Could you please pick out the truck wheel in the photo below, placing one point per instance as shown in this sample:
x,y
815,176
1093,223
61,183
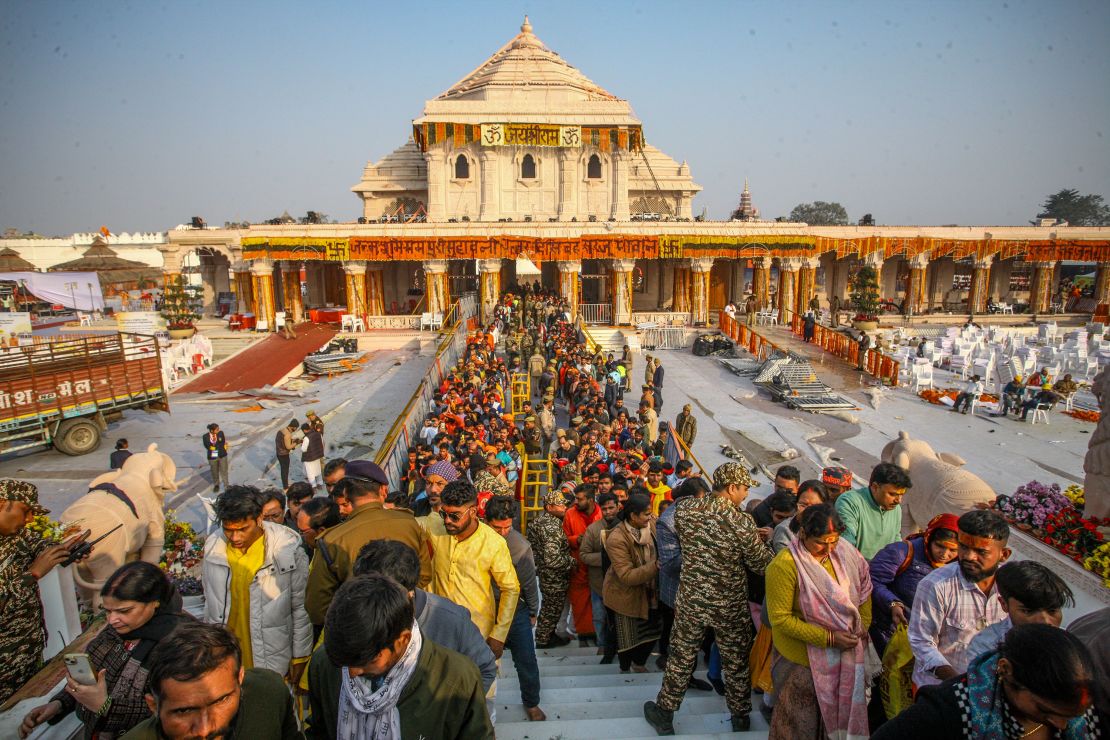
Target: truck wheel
x,y
77,437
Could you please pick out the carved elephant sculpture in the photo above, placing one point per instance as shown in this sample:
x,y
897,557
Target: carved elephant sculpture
x,y
940,484
131,496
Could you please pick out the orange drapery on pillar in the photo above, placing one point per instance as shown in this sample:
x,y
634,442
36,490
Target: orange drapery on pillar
x,y
375,291
761,281
489,288
915,286
980,286
262,271
1040,295
437,288
680,300
354,274
807,282
568,284
244,290
700,268
788,279
291,292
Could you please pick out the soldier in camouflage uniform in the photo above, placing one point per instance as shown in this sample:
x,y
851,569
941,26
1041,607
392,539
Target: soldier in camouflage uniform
x,y
553,566
489,480
24,559
718,541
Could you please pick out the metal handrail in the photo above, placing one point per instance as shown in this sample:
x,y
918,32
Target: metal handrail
x,y
686,450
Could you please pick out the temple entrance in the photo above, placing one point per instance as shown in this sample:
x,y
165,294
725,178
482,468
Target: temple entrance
x,y
209,269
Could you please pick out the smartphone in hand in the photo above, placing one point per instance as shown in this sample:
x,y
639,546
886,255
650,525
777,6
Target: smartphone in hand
x,y
80,668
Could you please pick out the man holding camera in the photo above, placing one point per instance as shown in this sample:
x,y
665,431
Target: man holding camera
x,y
24,559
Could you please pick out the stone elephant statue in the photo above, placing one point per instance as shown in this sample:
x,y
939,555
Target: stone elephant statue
x,y
132,496
940,484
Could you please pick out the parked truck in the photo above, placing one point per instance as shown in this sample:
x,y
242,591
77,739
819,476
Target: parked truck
x,y
64,390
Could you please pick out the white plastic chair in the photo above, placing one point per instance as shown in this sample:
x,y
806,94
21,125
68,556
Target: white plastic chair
x,y
85,319
427,321
1040,411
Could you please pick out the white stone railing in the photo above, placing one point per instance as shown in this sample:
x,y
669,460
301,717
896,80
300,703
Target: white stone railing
x,y
398,321
661,318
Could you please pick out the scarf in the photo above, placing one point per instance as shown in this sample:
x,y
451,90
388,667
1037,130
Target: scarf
x,y
365,714
166,618
987,714
839,677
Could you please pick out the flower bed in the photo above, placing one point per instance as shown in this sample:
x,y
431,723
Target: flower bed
x,y
1052,516
933,396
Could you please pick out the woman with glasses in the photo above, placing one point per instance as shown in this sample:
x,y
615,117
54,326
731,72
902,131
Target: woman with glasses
x,y
631,588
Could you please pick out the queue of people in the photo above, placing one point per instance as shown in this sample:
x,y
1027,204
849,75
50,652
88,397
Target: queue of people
x,y
388,605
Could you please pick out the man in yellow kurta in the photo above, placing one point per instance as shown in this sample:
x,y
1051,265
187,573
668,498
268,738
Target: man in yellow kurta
x,y
469,561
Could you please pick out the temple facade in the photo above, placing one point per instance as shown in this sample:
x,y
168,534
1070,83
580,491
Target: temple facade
x,y
527,168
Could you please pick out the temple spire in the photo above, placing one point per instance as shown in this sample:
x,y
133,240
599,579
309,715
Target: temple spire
x,y
526,27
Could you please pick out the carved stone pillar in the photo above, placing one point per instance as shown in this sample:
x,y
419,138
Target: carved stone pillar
x,y
355,276
262,273
788,281
489,287
807,284
620,279
437,183
1102,283
375,290
680,300
980,286
489,209
291,292
1040,295
437,288
568,284
568,181
700,268
620,185
915,286
761,280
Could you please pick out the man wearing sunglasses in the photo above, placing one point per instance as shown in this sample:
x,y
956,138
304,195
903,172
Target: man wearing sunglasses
x,y
366,485
468,560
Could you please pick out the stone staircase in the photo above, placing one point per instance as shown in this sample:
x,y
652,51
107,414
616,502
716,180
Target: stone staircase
x,y
612,339
584,699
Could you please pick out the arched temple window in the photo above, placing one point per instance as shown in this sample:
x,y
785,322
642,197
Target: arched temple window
x,y
593,167
528,168
462,168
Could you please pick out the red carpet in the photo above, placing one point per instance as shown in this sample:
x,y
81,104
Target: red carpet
x,y
264,362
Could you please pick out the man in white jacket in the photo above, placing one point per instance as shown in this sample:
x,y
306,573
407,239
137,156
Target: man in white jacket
x,y
254,577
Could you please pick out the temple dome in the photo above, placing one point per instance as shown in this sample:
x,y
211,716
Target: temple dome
x,y
526,82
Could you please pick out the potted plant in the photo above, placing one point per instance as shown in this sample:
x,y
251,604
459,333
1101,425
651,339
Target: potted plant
x,y
865,298
180,304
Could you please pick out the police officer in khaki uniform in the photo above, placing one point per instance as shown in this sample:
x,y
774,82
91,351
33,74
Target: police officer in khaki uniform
x,y
337,549
533,439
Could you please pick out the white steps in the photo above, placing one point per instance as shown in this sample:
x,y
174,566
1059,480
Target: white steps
x,y
584,700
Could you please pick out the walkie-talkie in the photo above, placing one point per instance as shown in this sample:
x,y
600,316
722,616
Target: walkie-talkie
x,y
84,548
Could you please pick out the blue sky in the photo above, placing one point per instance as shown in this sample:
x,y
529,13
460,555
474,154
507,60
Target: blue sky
x,y
139,115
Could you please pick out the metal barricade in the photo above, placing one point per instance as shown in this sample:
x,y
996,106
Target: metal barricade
x,y
665,337
596,313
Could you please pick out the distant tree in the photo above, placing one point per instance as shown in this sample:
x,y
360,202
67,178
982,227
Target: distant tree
x,y
820,213
1078,210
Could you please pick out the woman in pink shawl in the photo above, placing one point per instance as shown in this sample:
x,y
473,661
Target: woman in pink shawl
x,y
819,606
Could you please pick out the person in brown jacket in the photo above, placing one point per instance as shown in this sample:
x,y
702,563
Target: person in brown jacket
x,y
590,547
630,588
337,549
